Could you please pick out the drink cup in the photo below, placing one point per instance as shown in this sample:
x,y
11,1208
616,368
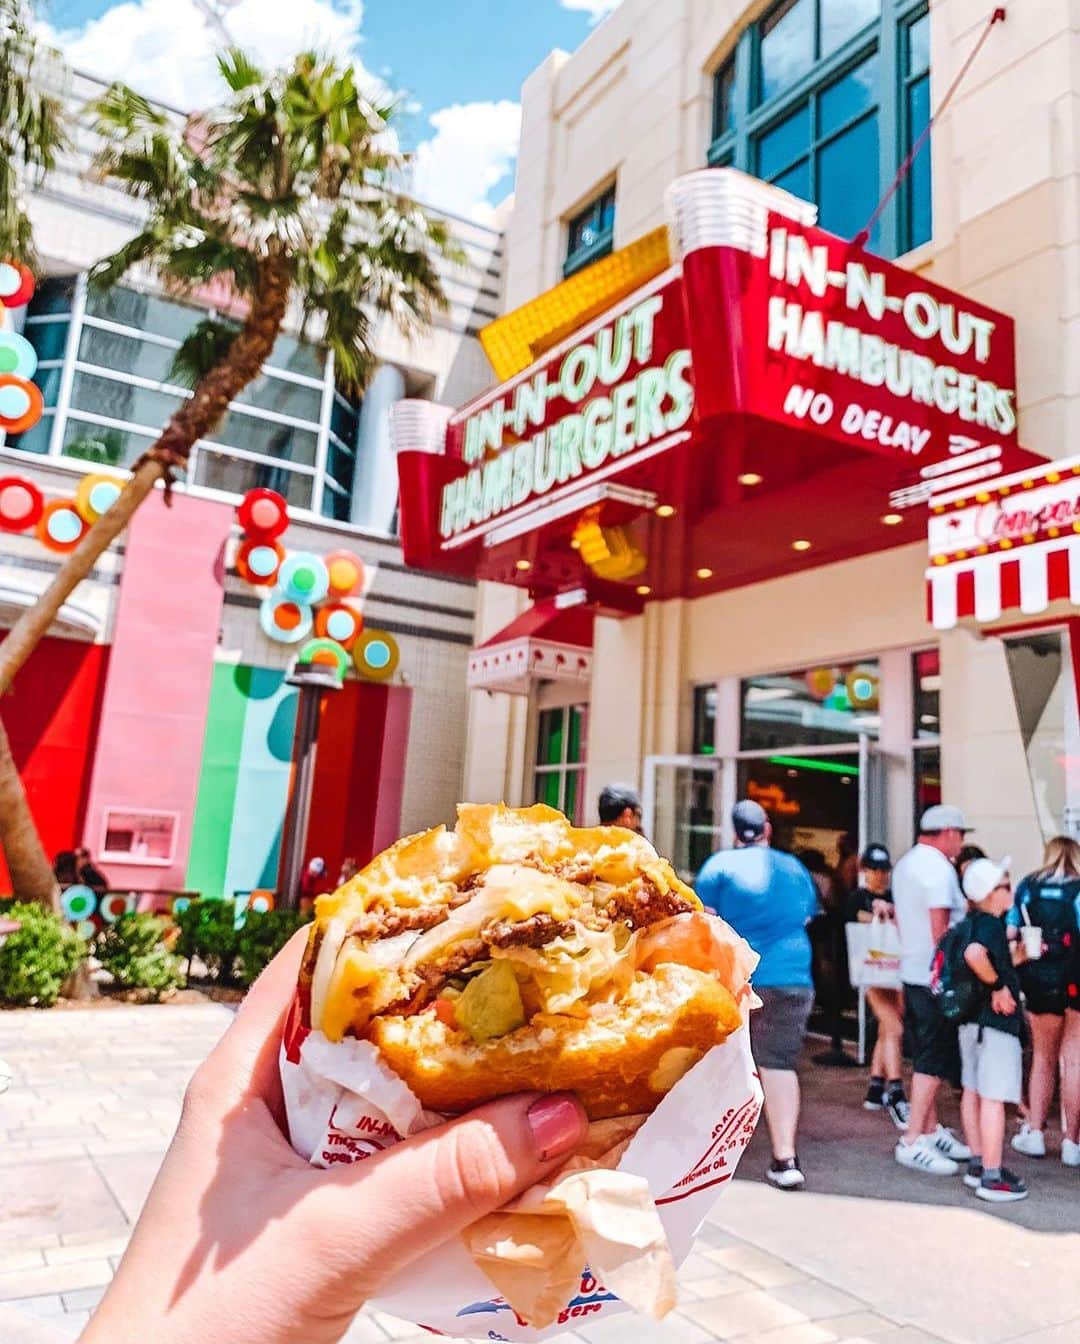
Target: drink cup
x,y
1033,940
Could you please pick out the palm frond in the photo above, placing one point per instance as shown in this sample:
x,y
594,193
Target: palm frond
x,y
205,346
238,70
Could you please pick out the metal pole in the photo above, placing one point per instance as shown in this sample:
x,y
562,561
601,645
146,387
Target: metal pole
x,y
313,680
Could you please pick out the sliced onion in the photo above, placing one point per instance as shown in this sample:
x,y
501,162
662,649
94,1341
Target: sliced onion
x,y
332,939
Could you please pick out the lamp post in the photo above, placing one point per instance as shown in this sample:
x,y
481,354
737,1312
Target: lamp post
x,y
314,680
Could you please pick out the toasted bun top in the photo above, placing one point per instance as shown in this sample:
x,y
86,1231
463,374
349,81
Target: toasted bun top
x,y
429,868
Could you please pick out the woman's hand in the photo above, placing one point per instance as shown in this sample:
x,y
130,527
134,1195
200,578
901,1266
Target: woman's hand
x,y
1002,1001
242,1239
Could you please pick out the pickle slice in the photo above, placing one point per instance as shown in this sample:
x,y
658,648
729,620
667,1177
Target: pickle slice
x,y
490,1005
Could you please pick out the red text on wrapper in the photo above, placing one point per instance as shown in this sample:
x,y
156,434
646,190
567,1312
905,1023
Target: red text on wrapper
x,y
717,1163
368,1136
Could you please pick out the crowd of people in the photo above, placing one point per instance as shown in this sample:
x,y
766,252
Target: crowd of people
x,y
984,972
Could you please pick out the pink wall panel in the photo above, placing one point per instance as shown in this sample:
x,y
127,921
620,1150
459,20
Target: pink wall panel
x,y
395,744
157,690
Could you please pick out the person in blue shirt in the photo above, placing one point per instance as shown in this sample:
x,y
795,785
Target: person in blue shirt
x,y
769,897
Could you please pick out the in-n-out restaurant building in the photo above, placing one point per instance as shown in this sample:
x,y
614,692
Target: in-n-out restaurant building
x,y
747,500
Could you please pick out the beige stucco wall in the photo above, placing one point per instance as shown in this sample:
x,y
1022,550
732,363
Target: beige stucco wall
x,y
633,105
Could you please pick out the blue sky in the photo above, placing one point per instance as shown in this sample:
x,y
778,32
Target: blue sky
x,y
461,63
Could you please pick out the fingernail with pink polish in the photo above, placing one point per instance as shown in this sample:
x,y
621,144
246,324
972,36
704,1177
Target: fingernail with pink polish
x,y
557,1123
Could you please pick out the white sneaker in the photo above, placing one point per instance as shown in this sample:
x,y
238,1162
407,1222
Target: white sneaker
x,y
1032,1143
1070,1153
944,1141
922,1155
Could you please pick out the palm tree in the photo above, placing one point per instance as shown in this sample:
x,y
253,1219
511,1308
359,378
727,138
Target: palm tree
x,y
31,125
288,192
31,137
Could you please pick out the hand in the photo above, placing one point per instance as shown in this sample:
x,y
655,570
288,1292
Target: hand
x,y
883,909
1002,1001
239,1229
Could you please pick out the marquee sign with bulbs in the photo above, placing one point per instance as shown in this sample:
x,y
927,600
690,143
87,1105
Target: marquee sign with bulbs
x,y
776,398
310,600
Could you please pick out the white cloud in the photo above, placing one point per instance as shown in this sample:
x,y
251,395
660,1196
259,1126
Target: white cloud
x,y
166,48
596,9
473,148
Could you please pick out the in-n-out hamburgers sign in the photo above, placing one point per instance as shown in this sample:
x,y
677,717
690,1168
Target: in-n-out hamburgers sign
x,y
622,389
767,324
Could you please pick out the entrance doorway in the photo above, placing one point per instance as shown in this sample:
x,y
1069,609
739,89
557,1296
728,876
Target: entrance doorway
x,y
814,796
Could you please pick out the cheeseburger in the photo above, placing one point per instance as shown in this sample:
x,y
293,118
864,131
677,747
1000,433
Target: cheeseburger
x,y
517,952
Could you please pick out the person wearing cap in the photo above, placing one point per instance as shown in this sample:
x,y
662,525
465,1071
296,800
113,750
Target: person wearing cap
x,y
990,1053
769,898
619,805
928,902
872,899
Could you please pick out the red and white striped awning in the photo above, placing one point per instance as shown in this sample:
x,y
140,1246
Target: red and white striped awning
x,y
550,641
1010,546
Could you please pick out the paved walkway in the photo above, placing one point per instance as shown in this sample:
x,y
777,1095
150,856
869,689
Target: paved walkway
x,y
868,1252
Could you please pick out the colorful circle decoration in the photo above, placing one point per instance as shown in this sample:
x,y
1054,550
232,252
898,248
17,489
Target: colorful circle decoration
x,y
17,355
96,494
21,404
376,655
115,904
21,503
258,561
61,527
346,573
820,682
86,928
261,901
179,905
78,902
303,577
16,284
862,689
340,622
283,620
325,653
263,514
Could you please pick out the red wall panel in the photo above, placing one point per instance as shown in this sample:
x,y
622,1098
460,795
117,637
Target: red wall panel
x,y
52,715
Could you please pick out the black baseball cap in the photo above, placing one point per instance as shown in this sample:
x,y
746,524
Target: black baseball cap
x,y
749,819
876,858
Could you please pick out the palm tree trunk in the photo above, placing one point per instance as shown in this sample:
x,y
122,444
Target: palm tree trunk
x,y
196,418
31,873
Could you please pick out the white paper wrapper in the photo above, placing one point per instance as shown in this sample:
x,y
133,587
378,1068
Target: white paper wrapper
x,y
343,1105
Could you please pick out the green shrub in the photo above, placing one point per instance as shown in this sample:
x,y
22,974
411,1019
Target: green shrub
x,y
263,936
35,961
207,931
133,951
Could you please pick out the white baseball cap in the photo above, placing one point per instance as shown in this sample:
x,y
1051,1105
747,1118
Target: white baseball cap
x,y
942,817
982,876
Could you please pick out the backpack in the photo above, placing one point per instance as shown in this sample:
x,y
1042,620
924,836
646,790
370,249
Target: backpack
x,y
960,996
1054,914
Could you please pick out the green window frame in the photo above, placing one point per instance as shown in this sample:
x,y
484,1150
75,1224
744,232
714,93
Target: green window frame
x,y
590,234
826,98
559,772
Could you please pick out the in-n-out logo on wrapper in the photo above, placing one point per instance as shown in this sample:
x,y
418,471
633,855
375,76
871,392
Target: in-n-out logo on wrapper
x,y
587,1303
367,1137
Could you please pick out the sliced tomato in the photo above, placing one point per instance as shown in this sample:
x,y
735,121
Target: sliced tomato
x,y
444,1011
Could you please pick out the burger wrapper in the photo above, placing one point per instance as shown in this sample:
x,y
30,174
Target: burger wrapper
x,y
604,1235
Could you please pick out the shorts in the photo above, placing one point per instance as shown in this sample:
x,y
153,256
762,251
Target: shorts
x,y
778,1027
991,1062
934,1049
1046,987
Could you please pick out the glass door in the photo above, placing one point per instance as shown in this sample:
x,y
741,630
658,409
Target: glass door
x,y
682,809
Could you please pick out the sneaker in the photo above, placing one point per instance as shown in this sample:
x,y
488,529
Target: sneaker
x,y
923,1156
1070,1153
1003,1189
945,1142
786,1174
1031,1142
899,1109
875,1097
974,1174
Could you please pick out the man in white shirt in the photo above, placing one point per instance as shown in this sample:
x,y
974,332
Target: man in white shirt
x,y
928,901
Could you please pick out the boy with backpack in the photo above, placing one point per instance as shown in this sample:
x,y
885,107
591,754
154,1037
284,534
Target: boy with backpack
x,y
978,988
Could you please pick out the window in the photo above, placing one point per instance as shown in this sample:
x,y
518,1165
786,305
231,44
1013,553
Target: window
x,y
590,234
1044,693
122,391
824,98
560,759
926,722
814,706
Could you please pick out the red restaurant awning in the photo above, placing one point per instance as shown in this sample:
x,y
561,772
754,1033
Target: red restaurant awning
x,y
548,642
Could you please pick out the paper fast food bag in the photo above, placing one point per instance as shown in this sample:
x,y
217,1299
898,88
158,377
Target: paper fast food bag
x,y
602,1238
